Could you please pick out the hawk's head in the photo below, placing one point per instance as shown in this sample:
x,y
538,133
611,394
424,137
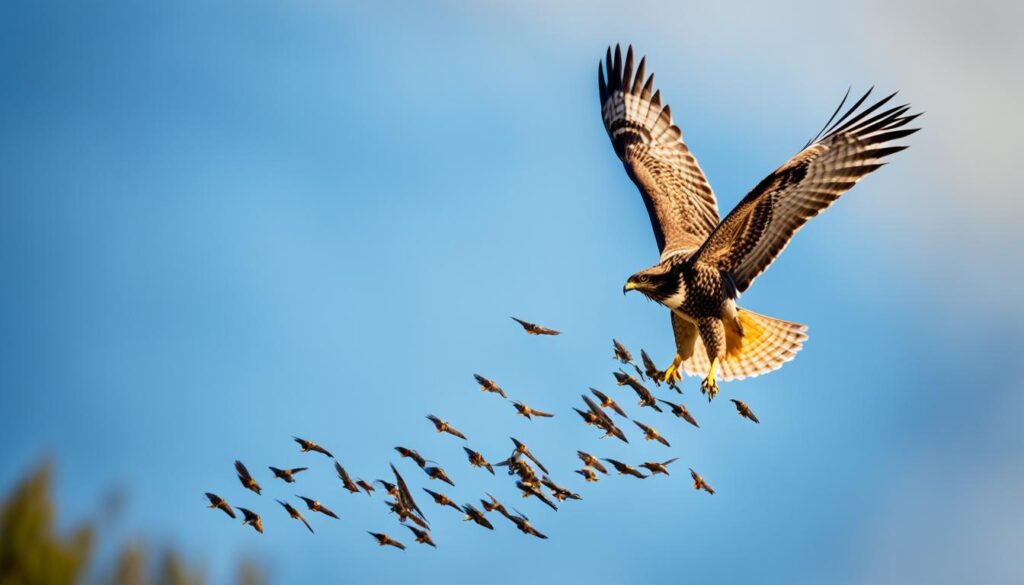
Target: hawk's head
x,y
658,283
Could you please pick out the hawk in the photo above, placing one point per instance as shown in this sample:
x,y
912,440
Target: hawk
x,y
706,262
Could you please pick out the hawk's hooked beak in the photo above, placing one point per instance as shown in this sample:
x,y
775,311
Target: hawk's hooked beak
x,y
630,285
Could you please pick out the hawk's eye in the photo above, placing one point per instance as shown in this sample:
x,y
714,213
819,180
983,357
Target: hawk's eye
x,y
643,278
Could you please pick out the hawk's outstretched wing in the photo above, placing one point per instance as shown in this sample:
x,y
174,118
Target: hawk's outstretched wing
x,y
754,233
678,198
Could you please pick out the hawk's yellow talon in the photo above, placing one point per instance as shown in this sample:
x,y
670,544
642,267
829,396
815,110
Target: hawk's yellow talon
x,y
709,386
672,373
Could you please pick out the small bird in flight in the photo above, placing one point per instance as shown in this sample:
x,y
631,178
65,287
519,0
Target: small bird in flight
x,y
651,434
311,446
476,516
405,496
560,493
412,454
477,460
385,540
603,421
389,488
493,505
621,353
315,506
435,472
366,486
532,490
524,410
422,536
624,469
646,398
252,519
288,475
294,513
744,410
534,329
650,369
220,504
487,385
442,500
522,449
680,411
699,483
607,402
444,427
591,461
588,474
246,479
523,524
655,468
345,479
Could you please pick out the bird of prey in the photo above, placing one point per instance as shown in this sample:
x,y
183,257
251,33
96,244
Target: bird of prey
x,y
389,488
651,434
560,493
706,263
744,410
412,454
476,516
493,505
532,490
646,398
385,540
534,329
699,483
444,427
602,420
345,479
591,461
680,411
524,410
655,468
252,519
366,486
422,536
487,385
442,500
523,524
405,496
294,513
220,504
246,479
588,474
435,472
607,402
624,469
311,446
288,475
522,449
315,506
621,353
477,460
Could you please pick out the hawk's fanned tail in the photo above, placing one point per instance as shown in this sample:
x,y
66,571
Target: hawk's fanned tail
x,y
765,345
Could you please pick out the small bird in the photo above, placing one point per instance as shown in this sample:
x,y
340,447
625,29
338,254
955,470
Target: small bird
x,y
442,500
422,536
311,446
389,488
651,434
247,481
412,454
252,519
366,487
646,398
744,410
604,422
607,402
522,449
487,385
650,369
315,506
524,410
295,513
588,417
655,468
621,353
493,506
523,524
345,479
624,469
680,411
560,493
435,472
699,483
404,513
288,475
588,474
534,329
444,427
591,461
476,516
477,460
220,504
405,496
532,490
385,540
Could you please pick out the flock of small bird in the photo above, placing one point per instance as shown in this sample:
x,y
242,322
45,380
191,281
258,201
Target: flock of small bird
x,y
521,462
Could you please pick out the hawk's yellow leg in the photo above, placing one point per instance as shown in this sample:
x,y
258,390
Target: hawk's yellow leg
x,y
672,373
709,386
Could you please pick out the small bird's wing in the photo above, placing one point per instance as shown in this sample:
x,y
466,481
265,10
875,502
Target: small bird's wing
x,y
243,472
405,495
663,441
670,461
754,233
679,201
454,431
542,413
297,469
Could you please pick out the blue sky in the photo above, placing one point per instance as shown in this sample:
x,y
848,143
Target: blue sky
x,y
225,223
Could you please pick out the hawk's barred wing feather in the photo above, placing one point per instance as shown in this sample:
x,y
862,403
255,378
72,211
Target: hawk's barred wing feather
x,y
750,238
678,198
